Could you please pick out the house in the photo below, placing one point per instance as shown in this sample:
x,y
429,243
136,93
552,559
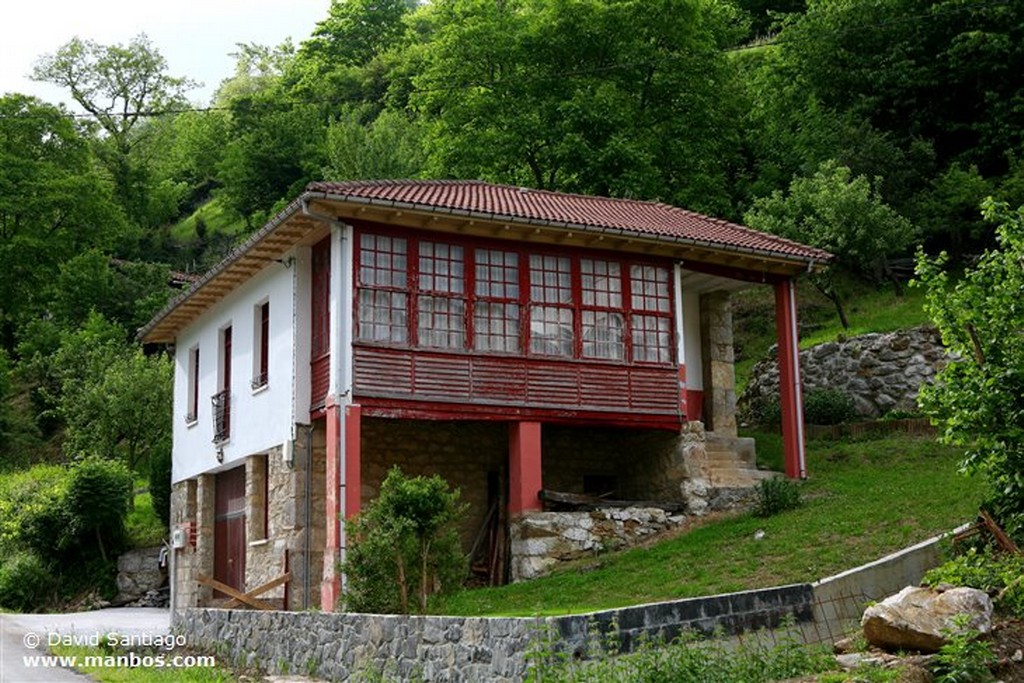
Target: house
x,y
509,339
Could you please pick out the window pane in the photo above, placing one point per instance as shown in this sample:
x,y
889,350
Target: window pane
x,y
601,283
497,274
603,335
382,261
550,279
441,268
496,327
551,331
441,322
651,339
650,288
382,316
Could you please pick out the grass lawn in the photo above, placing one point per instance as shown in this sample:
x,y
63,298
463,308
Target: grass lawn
x,y
868,309
864,499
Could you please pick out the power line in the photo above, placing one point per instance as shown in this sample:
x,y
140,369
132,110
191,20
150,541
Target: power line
x,y
773,41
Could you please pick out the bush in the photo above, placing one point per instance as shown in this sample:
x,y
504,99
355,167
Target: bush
x,y
99,494
26,583
985,571
828,407
776,495
764,410
31,509
404,546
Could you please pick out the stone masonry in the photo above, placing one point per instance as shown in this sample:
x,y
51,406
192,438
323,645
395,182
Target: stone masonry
x,y
881,372
340,647
540,540
719,373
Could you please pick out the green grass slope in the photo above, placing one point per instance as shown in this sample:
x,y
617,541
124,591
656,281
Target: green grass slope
x,y
864,500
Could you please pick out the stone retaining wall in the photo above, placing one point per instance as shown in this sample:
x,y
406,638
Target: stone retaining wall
x,y
881,372
435,648
541,540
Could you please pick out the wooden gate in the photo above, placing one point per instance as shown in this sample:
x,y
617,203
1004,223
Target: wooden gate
x,y
229,530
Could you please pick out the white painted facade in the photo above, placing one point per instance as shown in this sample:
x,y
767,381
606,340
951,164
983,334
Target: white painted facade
x,y
260,418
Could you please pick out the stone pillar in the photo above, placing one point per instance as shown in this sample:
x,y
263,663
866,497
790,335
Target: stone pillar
x,y
719,372
255,498
789,380
183,515
206,491
524,470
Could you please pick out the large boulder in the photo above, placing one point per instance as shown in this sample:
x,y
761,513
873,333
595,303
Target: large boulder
x,y
921,618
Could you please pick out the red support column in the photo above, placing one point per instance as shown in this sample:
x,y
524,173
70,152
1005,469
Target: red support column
x,y
353,460
789,380
330,588
524,465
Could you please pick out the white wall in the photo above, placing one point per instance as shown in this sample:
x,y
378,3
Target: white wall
x,y
691,332
262,418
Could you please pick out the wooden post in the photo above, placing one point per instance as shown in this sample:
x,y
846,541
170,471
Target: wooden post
x,y
330,587
790,393
524,458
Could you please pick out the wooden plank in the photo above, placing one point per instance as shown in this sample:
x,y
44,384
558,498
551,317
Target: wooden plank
x,y
238,595
260,590
1004,541
587,502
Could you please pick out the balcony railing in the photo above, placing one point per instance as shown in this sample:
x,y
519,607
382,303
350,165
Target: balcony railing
x,y
221,416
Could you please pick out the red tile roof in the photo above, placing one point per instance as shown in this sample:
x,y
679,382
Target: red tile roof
x,y
622,216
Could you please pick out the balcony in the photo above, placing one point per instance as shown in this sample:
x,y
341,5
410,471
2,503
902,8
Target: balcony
x,y
221,416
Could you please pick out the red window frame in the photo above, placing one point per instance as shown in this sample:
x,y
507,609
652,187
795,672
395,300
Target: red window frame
x,y
384,278
497,276
320,298
649,326
261,368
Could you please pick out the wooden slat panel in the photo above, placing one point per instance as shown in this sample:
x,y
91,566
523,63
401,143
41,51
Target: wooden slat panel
x,y
499,379
452,378
320,371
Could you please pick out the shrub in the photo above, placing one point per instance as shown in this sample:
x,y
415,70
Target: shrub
x,y
405,546
99,494
26,583
964,658
987,571
776,495
764,410
828,407
31,509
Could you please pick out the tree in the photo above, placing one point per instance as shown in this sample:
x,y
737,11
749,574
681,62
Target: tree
x,y
120,86
839,213
621,98
390,146
405,546
53,204
977,400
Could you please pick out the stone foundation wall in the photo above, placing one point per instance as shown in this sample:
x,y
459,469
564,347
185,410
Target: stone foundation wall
x,y
881,372
340,646
275,529
463,453
541,540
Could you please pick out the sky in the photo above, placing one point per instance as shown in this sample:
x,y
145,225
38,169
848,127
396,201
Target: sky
x,y
194,36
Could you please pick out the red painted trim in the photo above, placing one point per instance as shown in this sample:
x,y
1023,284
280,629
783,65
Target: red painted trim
x,y
789,380
416,410
353,460
330,588
694,405
524,464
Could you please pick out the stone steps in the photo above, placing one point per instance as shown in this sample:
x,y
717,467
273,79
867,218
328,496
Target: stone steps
x,y
731,462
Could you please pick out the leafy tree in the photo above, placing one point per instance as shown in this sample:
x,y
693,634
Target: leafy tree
x,y
120,86
405,546
943,70
98,497
356,31
561,95
53,204
840,213
977,400
391,146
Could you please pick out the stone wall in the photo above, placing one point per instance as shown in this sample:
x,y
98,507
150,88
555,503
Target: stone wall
x,y
276,537
138,572
881,372
541,540
338,646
